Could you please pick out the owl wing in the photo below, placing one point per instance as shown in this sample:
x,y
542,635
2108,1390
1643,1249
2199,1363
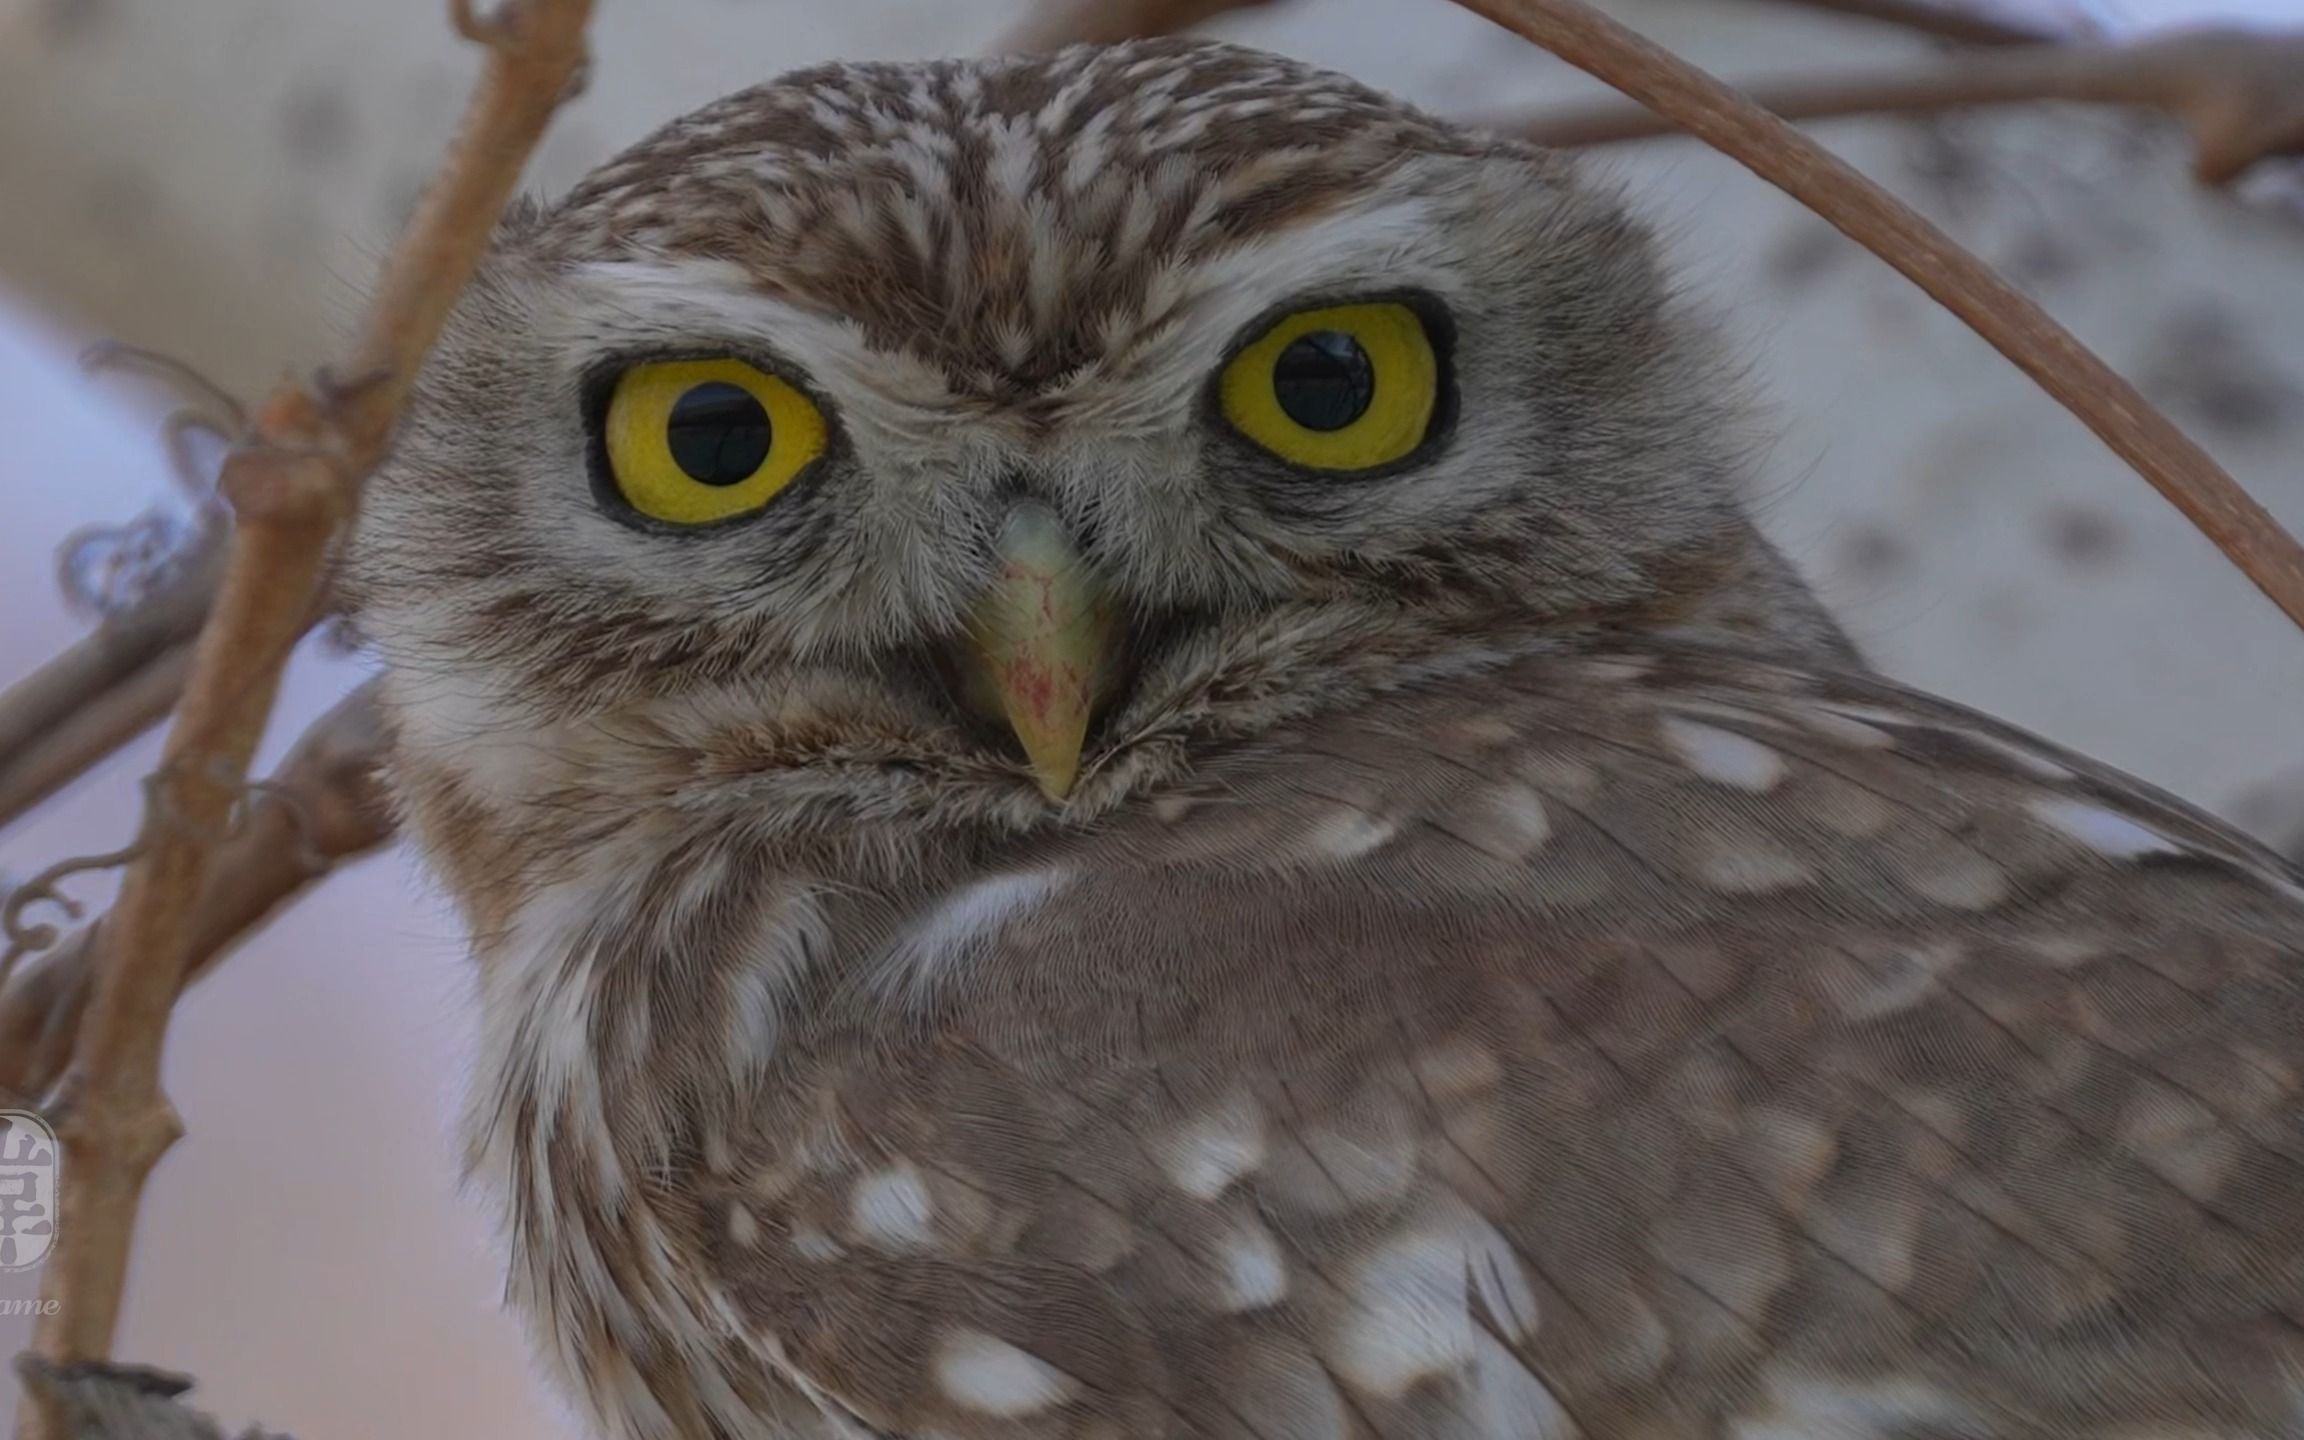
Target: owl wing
x,y
1652,1044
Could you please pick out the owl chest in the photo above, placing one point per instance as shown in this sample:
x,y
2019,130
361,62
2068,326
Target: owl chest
x,y
602,1105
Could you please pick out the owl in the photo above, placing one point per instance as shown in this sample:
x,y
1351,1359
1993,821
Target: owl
x,y
1121,764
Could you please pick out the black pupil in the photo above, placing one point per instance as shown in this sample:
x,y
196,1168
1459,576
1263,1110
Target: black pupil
x,y
718,433
1323,380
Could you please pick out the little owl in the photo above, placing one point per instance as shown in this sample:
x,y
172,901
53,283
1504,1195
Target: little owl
x,y
1122,765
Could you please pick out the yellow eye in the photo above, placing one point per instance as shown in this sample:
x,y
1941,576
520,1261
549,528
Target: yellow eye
x,y
1348,387
695,441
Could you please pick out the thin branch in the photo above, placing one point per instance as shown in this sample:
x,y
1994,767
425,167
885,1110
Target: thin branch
x,y
1967,25
2180,470
2238,94
1057,23
100,694
227,415
292,490
24,935
323,807
119,681
99,1401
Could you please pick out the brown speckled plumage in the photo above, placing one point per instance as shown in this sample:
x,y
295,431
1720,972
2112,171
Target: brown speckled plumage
x,y
1504,970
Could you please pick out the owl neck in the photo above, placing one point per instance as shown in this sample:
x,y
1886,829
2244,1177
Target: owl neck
x,y
1750,598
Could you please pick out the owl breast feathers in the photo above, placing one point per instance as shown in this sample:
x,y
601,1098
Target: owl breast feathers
x,y
1122,764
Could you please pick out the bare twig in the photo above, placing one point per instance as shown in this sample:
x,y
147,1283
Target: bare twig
x,y
112,686
1968,26
24,936
2181,471
2239,94
102,692
121,1402
322,807
229,416
1058,23
292,489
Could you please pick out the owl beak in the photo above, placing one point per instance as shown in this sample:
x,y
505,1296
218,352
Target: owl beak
x,y
1041,644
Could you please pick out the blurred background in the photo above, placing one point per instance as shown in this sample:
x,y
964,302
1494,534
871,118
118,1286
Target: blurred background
x,y
215,180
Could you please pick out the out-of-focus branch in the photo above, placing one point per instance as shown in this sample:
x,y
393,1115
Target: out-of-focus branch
x,y
105,690
110,687
1057,23
2239,94
292,488
322,807
2181,471
120,1402
1967,26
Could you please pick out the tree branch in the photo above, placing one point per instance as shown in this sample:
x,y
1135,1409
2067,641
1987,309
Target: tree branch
x,y
2238,94
2180,470
108,688
322,807
117,682
1057,23
1967,26
98,1401
292,488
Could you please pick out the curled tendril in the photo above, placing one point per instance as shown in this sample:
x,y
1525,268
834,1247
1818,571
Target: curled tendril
x,y
107,570
24,939
196,472
107,356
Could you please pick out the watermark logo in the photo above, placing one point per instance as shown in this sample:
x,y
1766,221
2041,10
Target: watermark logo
x,y
30,1161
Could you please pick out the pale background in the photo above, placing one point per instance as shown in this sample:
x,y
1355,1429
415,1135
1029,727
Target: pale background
x,y
215,180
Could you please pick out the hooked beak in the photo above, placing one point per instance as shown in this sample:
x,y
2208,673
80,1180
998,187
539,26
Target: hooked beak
x,y
1041,644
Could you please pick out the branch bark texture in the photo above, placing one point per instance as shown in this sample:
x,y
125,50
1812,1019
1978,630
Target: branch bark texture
x,y
1057,23
1966,25
323,807
2180,470
2238,94
110,687
292,490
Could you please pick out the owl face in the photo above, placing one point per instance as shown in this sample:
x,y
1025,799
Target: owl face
x,y
997,431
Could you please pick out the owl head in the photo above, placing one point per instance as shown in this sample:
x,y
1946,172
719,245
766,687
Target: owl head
x,y
981,439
